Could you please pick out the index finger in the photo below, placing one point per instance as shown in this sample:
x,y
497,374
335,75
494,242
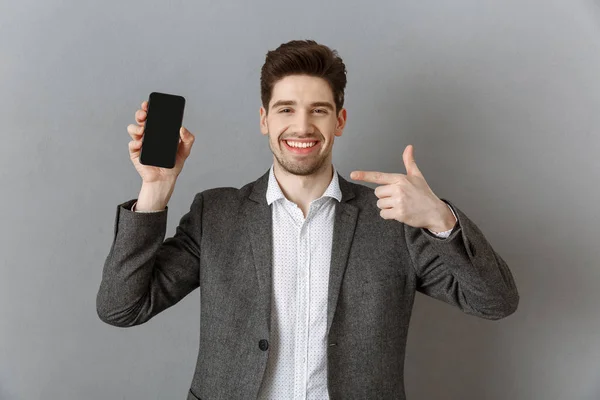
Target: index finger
x,y
382,178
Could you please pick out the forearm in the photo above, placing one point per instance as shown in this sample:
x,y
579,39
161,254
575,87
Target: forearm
x,y
145,274
128,268
464,270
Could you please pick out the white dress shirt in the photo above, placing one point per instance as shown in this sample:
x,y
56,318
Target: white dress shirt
x,y
297,363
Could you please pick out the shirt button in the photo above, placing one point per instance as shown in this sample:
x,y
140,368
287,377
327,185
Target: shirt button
x,y
263,344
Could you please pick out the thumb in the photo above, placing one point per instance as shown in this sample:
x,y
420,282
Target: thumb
x,y
186,136
187,140
409,161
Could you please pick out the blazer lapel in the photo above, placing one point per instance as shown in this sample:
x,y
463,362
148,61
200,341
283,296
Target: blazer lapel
x,y
346,216
260,230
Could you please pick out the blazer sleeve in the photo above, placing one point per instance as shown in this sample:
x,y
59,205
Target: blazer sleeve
x,y
143,273
463,269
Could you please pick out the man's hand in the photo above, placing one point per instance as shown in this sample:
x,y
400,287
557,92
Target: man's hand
x,y
408,198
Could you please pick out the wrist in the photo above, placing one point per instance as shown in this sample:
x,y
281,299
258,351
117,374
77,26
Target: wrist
x,y
445,219
154,196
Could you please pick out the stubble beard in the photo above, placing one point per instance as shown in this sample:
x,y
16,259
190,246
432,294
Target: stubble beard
x,y
299,168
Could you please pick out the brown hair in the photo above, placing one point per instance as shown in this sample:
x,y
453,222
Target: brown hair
x,y
303,57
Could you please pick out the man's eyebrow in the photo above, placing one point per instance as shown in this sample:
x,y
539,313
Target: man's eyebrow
x,y
325,104
279,103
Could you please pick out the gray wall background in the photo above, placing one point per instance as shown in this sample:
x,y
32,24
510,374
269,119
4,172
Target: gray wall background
x,y
500,98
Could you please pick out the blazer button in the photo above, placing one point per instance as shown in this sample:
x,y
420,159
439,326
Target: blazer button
x,y
263,344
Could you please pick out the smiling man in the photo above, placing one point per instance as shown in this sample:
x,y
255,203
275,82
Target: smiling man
x,y
301,122
307,279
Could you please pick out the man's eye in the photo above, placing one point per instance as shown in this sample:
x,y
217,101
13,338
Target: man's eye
x,y
321,111
285,110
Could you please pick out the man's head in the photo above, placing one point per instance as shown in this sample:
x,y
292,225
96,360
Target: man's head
x,y
302,92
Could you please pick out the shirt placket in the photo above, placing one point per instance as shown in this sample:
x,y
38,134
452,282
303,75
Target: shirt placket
x,y
302,312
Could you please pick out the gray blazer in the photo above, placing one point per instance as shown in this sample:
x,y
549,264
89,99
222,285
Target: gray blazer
x,y
224,246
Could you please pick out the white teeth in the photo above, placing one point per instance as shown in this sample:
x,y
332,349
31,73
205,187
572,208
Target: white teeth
x,y
301,145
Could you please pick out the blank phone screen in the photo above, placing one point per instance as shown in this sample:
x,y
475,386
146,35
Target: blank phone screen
x,y
161,132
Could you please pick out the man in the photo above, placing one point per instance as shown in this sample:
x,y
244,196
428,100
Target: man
x,y
307,280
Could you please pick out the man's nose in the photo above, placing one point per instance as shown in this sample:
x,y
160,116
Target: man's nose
x,y
304,124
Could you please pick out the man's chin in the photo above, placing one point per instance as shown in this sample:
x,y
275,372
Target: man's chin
x,y
301,168
302,172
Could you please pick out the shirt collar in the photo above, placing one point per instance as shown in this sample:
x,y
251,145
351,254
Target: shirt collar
x,y
274,192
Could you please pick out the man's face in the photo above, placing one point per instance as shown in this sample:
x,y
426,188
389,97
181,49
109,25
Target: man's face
x,y
302,123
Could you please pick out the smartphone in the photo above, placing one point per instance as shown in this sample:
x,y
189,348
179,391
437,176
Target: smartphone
x,y
161,132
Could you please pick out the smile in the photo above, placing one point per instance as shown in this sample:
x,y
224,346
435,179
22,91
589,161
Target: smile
x,y
301,147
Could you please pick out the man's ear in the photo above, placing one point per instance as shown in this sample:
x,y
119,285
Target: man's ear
x,y
264,127
341,122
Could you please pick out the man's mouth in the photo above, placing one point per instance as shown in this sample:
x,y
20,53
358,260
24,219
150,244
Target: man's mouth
x,y
301,146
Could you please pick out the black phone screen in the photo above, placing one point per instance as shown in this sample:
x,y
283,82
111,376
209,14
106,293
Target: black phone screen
x,y
161,132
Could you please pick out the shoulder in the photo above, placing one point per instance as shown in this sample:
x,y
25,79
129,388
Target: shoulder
x,y
221,197
224,198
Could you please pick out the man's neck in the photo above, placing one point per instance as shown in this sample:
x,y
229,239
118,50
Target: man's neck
x,y
303,189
